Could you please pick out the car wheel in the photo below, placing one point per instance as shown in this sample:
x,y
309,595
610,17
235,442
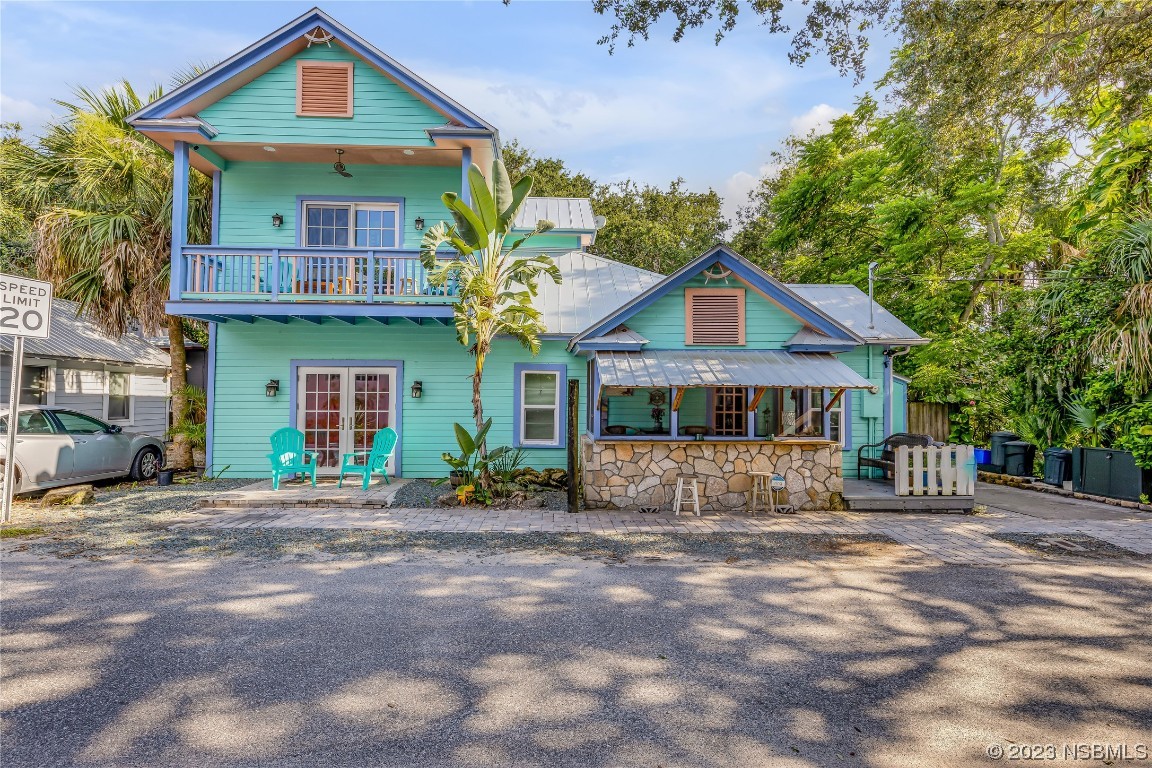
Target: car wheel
x,y
146,465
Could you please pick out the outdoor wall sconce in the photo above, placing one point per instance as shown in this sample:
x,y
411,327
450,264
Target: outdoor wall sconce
x,y
272,387
417,389
419,223
277,220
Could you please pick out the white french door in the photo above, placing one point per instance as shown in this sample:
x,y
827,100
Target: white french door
x,y
340,409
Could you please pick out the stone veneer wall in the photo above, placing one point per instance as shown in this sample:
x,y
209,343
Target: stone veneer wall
x,y
622,474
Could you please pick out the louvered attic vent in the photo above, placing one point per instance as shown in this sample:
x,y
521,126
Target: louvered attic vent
x,y
324,88
715,316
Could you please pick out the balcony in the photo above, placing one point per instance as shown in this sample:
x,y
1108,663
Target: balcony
x,y
223,273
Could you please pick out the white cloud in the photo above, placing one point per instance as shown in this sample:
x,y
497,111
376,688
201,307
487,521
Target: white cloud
x,y
705,102
819,119
29,115
739,185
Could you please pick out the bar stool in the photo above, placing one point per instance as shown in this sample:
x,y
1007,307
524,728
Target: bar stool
x,y
687,491
761,491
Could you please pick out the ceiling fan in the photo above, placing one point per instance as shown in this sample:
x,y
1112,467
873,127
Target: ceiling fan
x,y
339,167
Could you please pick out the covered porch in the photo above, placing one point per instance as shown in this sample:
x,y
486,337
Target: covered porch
x,y
723,416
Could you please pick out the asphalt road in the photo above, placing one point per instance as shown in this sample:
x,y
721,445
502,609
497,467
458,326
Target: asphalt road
x,y
447,660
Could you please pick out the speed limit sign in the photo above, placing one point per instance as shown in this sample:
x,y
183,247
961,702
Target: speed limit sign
x,y
25,307
25,312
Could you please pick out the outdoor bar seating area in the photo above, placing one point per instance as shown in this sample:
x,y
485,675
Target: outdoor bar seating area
x,y
661,415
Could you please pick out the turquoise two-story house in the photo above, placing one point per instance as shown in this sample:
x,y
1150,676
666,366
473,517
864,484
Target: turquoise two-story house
x,y
328,159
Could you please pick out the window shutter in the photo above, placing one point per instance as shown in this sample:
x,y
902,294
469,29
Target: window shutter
x,y
715,316
324,88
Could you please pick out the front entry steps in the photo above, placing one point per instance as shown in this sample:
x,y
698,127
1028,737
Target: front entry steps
x,y
294,494
880,496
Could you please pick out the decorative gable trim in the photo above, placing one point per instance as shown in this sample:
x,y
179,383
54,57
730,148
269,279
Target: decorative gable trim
x,y
744,270
324,88
714,317
233,69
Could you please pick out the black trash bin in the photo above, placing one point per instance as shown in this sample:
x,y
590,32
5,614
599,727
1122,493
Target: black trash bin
x,y
1057,466
1019,458
997,441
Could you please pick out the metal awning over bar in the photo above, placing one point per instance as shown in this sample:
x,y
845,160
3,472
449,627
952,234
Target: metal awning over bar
x,y
737,368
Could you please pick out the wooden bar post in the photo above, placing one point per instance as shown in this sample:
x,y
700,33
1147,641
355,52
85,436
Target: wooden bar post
x,y
573,444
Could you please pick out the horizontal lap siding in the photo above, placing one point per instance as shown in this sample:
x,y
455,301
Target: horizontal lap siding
x,y
150,404
864,430
766,326
247,356
264,111
251,192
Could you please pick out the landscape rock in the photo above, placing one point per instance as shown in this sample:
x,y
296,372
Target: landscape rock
x,y
69,496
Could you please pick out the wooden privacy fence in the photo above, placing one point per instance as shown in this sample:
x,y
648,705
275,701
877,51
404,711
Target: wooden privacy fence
x,y
949,470
930,419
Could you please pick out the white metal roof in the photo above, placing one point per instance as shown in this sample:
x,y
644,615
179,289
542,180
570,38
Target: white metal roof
x,y
593,288
80,339
567,213
727,368
848,305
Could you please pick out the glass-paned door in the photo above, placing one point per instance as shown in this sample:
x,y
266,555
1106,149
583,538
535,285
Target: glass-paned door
x,y
340,410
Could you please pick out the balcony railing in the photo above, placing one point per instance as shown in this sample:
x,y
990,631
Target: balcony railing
x,y
231,273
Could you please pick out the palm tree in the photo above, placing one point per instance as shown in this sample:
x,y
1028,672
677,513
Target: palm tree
x,y
495,284
1127,339
101,194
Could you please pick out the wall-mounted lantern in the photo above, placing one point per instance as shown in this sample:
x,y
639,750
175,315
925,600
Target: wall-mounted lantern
x,y
277,220
272,387
417,389
419,223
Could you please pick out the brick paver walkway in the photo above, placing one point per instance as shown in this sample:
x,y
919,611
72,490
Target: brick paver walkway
x,y
950,538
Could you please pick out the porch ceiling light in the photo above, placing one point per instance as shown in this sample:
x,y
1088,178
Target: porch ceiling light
x,y
409,152
269,149
417,389
277,220
272,387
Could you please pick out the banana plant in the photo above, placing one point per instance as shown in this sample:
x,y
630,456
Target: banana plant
x,y
494,283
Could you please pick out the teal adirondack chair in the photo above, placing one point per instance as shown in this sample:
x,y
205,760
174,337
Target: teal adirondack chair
x,y
383,446
288,456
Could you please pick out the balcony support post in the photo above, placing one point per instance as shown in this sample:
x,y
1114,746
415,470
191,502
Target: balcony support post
x,y
465,164
370,282
180,167
274,277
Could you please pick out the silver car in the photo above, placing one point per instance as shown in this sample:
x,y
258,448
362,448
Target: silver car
x,y
55,446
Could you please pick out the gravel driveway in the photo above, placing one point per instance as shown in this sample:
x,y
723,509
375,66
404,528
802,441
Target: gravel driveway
x,y
135,521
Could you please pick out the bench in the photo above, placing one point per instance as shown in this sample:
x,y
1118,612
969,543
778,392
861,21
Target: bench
x,y
886,461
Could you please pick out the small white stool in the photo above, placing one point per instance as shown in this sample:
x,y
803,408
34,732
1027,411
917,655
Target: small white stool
x,y
687,491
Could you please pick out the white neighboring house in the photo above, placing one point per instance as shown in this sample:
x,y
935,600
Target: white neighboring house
x,y
121,381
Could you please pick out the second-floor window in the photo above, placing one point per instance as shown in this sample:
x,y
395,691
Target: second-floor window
x,y
351,225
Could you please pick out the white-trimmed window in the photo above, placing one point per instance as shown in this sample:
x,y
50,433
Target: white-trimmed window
x,y
538,420
38,383
350,225
836,424
118,401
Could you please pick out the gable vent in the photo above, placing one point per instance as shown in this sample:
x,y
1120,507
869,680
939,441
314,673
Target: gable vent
x,y
715,316
324,88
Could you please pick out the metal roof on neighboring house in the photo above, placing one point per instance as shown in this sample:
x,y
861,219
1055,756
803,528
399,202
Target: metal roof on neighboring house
x,y
727,368
593,288
849,305
567,213
80,339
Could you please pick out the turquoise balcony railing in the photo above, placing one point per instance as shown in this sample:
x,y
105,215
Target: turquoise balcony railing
x,y
231,273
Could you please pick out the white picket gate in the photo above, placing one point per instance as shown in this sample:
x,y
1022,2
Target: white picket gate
x,y
946,471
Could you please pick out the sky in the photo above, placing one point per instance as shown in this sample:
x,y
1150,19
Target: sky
x,y
660,110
